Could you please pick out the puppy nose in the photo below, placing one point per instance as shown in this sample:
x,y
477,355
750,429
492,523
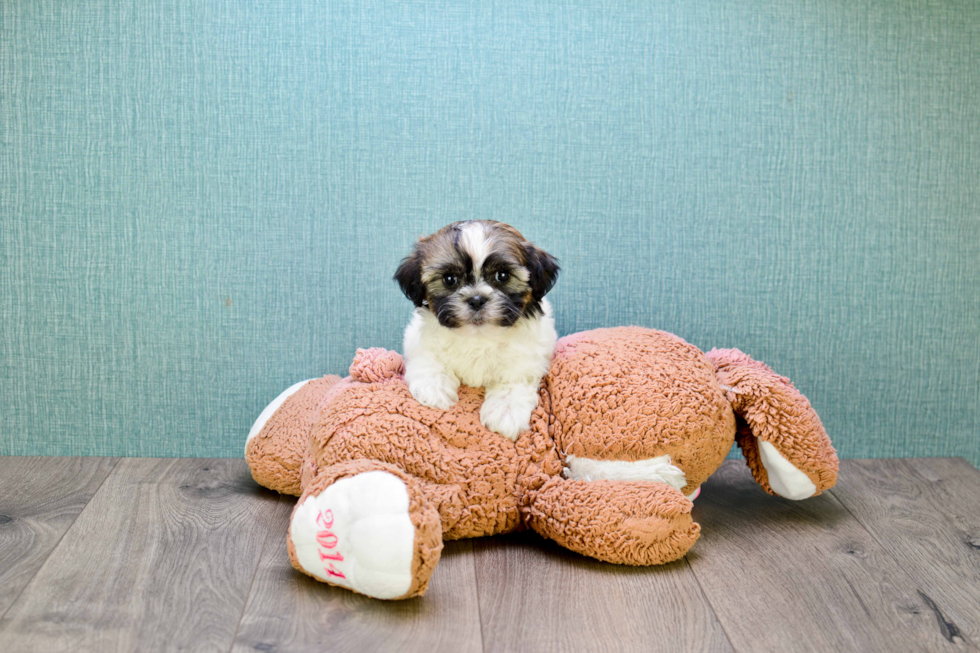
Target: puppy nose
x,y
476,302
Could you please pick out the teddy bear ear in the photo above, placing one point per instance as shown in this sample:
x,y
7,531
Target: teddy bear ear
x,y
376,364
409,277
543,268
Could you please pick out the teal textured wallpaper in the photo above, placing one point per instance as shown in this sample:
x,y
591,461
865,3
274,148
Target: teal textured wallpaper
x,y
202,202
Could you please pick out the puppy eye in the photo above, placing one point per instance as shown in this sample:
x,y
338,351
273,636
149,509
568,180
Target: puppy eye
x,y
450,280
502,276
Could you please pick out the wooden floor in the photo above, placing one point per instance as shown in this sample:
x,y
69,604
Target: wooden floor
x,y
162,554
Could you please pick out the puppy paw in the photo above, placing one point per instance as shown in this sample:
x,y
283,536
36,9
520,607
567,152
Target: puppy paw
x,y
435,391
507,410
504,420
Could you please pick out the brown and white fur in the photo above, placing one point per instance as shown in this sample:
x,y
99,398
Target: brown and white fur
x,y
480,319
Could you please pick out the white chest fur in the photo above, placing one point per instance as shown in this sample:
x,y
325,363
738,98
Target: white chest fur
x,y
488,354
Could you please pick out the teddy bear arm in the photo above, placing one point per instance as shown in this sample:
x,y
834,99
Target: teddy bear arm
x,y
277,442
633,523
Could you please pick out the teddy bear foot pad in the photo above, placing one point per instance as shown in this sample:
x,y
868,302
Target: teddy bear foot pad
x,y
357,533
784,478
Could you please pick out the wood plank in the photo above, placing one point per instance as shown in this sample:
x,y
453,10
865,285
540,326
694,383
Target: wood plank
x,y
162,558
537,596
926,513
804,575
289,611
40,498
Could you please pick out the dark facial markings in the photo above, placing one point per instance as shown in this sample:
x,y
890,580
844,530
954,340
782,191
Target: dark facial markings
x,y
498,269
504,269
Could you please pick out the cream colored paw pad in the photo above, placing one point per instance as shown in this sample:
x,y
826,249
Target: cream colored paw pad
x,y
785,479
357,533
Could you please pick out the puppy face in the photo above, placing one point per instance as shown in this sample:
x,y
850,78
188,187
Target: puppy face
x,y
477,272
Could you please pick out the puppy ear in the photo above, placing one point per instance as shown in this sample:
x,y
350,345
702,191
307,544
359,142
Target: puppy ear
x,y
409,277
543,268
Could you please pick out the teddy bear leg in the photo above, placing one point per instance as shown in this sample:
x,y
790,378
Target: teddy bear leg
x,y
771,469
781,436
623,522
366,526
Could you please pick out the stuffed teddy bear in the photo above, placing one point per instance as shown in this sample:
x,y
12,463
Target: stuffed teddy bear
x,y
630,423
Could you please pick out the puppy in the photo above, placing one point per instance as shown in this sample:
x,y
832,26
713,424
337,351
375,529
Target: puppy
x,y
480,319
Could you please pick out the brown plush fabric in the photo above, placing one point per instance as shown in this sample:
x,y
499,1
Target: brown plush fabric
x,y
771,409
623,394
630,393
277,452
634,523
